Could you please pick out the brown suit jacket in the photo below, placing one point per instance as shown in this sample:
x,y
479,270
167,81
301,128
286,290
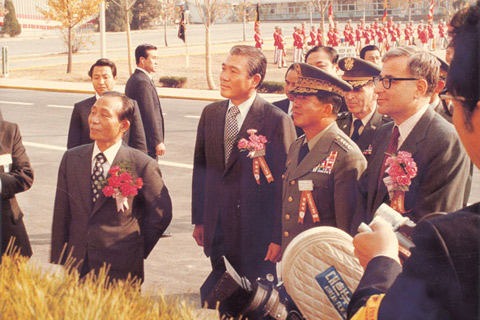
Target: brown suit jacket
x,y
228,197
121,239
19,178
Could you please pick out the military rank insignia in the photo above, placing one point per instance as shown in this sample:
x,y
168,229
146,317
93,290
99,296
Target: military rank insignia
x,y
368,151
327,164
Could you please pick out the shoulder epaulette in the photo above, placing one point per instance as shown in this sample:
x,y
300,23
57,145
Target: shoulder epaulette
x,y
342,115
343,143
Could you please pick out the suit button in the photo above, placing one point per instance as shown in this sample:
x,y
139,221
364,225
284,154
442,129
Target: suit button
x,y
290,199
287,217
292,182
286,234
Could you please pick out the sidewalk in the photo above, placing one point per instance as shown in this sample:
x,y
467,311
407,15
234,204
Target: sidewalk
x,y
86,87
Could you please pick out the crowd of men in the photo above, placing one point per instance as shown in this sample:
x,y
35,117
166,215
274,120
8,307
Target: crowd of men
x,y
308,165
383,35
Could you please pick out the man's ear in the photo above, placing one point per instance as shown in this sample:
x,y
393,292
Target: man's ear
x,y
328,108
124,125
256,79
422,87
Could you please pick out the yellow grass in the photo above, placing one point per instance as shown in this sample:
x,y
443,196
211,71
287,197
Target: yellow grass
x,y
28,292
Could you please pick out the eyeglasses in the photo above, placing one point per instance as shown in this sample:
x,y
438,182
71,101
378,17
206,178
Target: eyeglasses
x,y
449,97
387,82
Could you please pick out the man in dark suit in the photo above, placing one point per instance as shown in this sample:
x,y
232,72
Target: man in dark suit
x,y
16,175
324,163
362,119
404,88
141,88
104,75
286,104
91,227
233,214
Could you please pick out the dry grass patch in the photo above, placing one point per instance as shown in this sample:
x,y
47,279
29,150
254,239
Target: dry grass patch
x,y
28,292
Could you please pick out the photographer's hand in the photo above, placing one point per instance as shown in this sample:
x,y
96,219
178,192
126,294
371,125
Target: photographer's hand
x,y
379,242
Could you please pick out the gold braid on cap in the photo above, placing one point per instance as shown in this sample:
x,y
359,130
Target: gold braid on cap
x,y
358,83
312,85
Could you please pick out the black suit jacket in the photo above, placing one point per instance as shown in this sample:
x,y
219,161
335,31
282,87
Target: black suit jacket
x,y
439,281
19,178
228,197
443,171
141,88
121,239
79,131
283,105
364,142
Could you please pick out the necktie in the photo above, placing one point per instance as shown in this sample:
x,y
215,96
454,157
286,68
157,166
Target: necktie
x,y
391,149
231,131
303,152
97,176
357,124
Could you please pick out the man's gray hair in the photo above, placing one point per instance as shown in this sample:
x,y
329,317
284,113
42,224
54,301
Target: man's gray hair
x,y
421,64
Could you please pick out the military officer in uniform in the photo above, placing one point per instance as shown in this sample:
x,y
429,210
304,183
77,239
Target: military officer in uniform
x,y
362,118
443,107
324,164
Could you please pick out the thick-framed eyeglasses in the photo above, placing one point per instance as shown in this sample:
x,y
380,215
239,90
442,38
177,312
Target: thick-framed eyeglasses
x,y
387,81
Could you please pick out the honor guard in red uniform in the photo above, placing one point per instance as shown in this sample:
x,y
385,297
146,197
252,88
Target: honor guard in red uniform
x,y
275,44
358,38
330,36
313,37
319,37
408,35
281,49
441,35
431,36
297,45
367,35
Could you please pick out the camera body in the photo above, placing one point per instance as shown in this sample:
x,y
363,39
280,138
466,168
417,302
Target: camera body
x,y
236,297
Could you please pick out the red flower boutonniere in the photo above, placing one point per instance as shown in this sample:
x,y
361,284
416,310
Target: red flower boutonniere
x,y
120,186
401,169
255,145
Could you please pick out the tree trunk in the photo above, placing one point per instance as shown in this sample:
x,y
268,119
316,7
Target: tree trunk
x,y
69,63
208,58
322,13
244,23
129,39
165,29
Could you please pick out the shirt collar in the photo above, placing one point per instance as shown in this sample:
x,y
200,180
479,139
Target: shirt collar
x,y
366,118
245,106
145,71
110,153
312,142
407,126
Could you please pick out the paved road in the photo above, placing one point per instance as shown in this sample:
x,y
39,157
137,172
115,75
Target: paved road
x,y
176,264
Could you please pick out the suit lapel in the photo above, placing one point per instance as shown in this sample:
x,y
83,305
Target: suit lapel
x,y
380,190
253,120
319,152
121,155
416,136
83,173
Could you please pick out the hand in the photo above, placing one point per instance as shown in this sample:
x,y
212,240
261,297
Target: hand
x,y
274,253
160,149
198,234
382,241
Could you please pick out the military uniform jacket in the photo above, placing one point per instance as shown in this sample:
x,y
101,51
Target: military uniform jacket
x,y
333,192
345,122
443,171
